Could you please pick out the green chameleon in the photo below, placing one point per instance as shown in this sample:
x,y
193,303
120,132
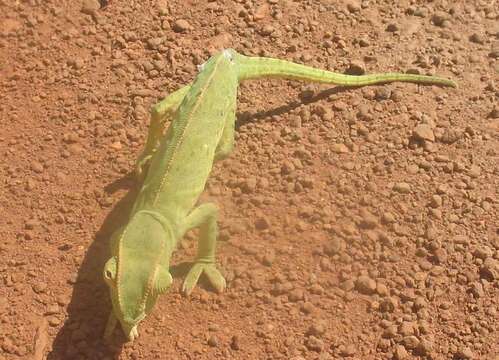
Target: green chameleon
x,y
174,168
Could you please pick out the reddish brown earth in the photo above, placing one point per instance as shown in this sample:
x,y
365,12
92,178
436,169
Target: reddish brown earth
x,y
355,223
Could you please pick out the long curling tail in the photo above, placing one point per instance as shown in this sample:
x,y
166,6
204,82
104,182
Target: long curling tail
x,y
262,67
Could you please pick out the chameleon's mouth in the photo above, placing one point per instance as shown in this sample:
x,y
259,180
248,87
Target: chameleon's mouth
x,y
133,333
130,327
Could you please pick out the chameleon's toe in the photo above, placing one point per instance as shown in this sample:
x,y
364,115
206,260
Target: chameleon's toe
x,y
141,167
212,273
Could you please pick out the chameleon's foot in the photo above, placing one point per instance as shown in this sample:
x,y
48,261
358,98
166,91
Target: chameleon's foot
x,y
141,167
212,273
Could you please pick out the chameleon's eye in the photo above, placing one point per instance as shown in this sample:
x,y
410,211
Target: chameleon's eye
x,y
109,275
110,270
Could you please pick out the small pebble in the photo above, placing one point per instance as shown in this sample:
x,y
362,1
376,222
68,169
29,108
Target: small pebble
x,y
40,287
400,353
423,132
402,187
89,7
213,341
37,167
314,344
464,353
365,285
235,343
181,26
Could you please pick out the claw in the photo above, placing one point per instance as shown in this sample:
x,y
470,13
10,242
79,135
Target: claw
x,y
133,334
141,166
212,273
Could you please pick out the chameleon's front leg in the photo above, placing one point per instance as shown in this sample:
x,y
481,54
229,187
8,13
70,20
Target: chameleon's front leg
x,y
111,324
226,143
204,217
160,113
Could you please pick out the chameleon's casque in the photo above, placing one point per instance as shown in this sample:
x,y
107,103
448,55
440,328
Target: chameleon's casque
x,y
174,168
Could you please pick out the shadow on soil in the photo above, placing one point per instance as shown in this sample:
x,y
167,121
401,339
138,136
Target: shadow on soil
x,y
249,117
81,334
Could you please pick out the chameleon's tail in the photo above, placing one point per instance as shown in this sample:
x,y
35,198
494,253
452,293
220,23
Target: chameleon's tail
x,y
257,67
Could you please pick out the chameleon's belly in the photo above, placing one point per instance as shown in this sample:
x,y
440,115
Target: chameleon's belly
x,y
180,167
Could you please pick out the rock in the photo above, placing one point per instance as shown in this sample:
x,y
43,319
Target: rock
x,y
89,7
235,343
451,136
392,27
365,285
31,224
154,43
347,285
402,187
353,6
477,38
8,346
75,149
490,269
348,350
213,341
436,201
390,332
269,258
308,307
317,329
334,246
382,289
425,347
249,185
368,220
181,25
314,344
440,18
483,252
339,148
356,68
52,310
40,287
388,218
388,304
266,30
406,328
423,132
382,93
296,295
410,342
400,353
37,167
262,223
464,353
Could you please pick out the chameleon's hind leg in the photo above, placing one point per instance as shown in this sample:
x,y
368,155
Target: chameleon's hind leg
x,y
226,143
204,217
160,113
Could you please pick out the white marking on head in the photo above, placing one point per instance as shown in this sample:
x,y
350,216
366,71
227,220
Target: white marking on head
x,y
228,54
201,67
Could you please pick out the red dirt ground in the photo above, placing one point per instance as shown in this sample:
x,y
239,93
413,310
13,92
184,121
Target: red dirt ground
x,y
355,223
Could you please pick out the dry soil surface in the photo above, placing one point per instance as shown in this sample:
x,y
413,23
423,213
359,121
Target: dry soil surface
x,y
354,223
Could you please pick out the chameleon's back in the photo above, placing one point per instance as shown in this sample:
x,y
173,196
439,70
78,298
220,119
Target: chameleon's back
x,y
183,161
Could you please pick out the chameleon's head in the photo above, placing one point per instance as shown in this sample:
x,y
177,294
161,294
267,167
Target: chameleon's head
x,y
138,272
